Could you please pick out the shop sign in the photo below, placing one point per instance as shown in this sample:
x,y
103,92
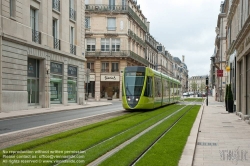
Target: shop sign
x,y
56,68
72,71
32,67
219,73
110,78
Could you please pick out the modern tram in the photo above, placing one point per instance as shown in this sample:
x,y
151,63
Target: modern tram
x,y
145,88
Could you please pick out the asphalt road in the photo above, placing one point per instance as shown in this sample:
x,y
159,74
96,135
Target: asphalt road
x,y
28,122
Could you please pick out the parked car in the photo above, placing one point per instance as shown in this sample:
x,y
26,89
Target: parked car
x,y
191,93
185,94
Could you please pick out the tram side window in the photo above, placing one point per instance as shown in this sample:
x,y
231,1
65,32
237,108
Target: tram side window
x,y
158,87
148,90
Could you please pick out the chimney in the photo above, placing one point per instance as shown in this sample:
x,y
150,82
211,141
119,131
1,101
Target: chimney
x,y
183,58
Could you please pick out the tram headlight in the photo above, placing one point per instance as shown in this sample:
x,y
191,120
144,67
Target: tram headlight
x,y
136,99
129,99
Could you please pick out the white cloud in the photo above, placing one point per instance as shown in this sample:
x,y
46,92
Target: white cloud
x,y
184,28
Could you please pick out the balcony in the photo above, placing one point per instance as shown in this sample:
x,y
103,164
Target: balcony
x,y
57,44
36,36
100,8
114,70
72,14
121,54
136,38
72,49
56,5
105,70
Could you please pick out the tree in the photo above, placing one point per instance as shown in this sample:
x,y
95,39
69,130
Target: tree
x,y
194,86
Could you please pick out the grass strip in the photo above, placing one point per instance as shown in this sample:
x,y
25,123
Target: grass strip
x,y
126,155
195,99
103,148
84,137
169,149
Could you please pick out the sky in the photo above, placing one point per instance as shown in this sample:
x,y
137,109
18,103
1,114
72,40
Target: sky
x,y
184,27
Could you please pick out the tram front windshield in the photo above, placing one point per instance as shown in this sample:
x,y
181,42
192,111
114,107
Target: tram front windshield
x,y
134,83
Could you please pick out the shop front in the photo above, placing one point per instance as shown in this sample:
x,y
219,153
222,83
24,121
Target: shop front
x,y
72,84
110,86
56,82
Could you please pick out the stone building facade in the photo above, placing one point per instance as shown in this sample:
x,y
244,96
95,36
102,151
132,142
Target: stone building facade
x,y
238,53
41,53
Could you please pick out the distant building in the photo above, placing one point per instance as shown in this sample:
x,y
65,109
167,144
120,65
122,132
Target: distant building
x,y
197,84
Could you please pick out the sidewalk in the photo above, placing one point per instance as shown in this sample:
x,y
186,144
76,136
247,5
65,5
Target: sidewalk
x,y
53,108
218,138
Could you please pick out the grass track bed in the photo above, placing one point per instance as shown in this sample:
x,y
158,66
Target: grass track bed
x,y
87,136
131,151
169,149
194,99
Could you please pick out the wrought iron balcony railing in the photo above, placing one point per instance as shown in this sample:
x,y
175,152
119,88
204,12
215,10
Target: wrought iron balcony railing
x,y
57,44
72,14
115,9
114,70
36,36
122,53
136,38
72,49
105,70
56,5
92,70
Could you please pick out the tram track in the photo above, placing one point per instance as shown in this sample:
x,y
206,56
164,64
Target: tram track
x,y
115,150
125,134
158,138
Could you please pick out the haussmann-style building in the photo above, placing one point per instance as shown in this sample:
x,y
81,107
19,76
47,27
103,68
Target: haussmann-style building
x,y
41,53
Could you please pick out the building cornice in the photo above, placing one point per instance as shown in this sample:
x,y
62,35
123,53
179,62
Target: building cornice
x,y
41,47
232,11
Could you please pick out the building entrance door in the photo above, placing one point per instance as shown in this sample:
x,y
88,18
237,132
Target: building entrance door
x,y
33,81
33,91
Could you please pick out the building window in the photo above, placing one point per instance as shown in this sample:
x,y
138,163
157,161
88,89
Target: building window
x,y
56,5
105,44
115,44
56,34
87,22
72,39
12,8
111,24
115,67
112,4
105,66
72,12
90,44
36,35
91,66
